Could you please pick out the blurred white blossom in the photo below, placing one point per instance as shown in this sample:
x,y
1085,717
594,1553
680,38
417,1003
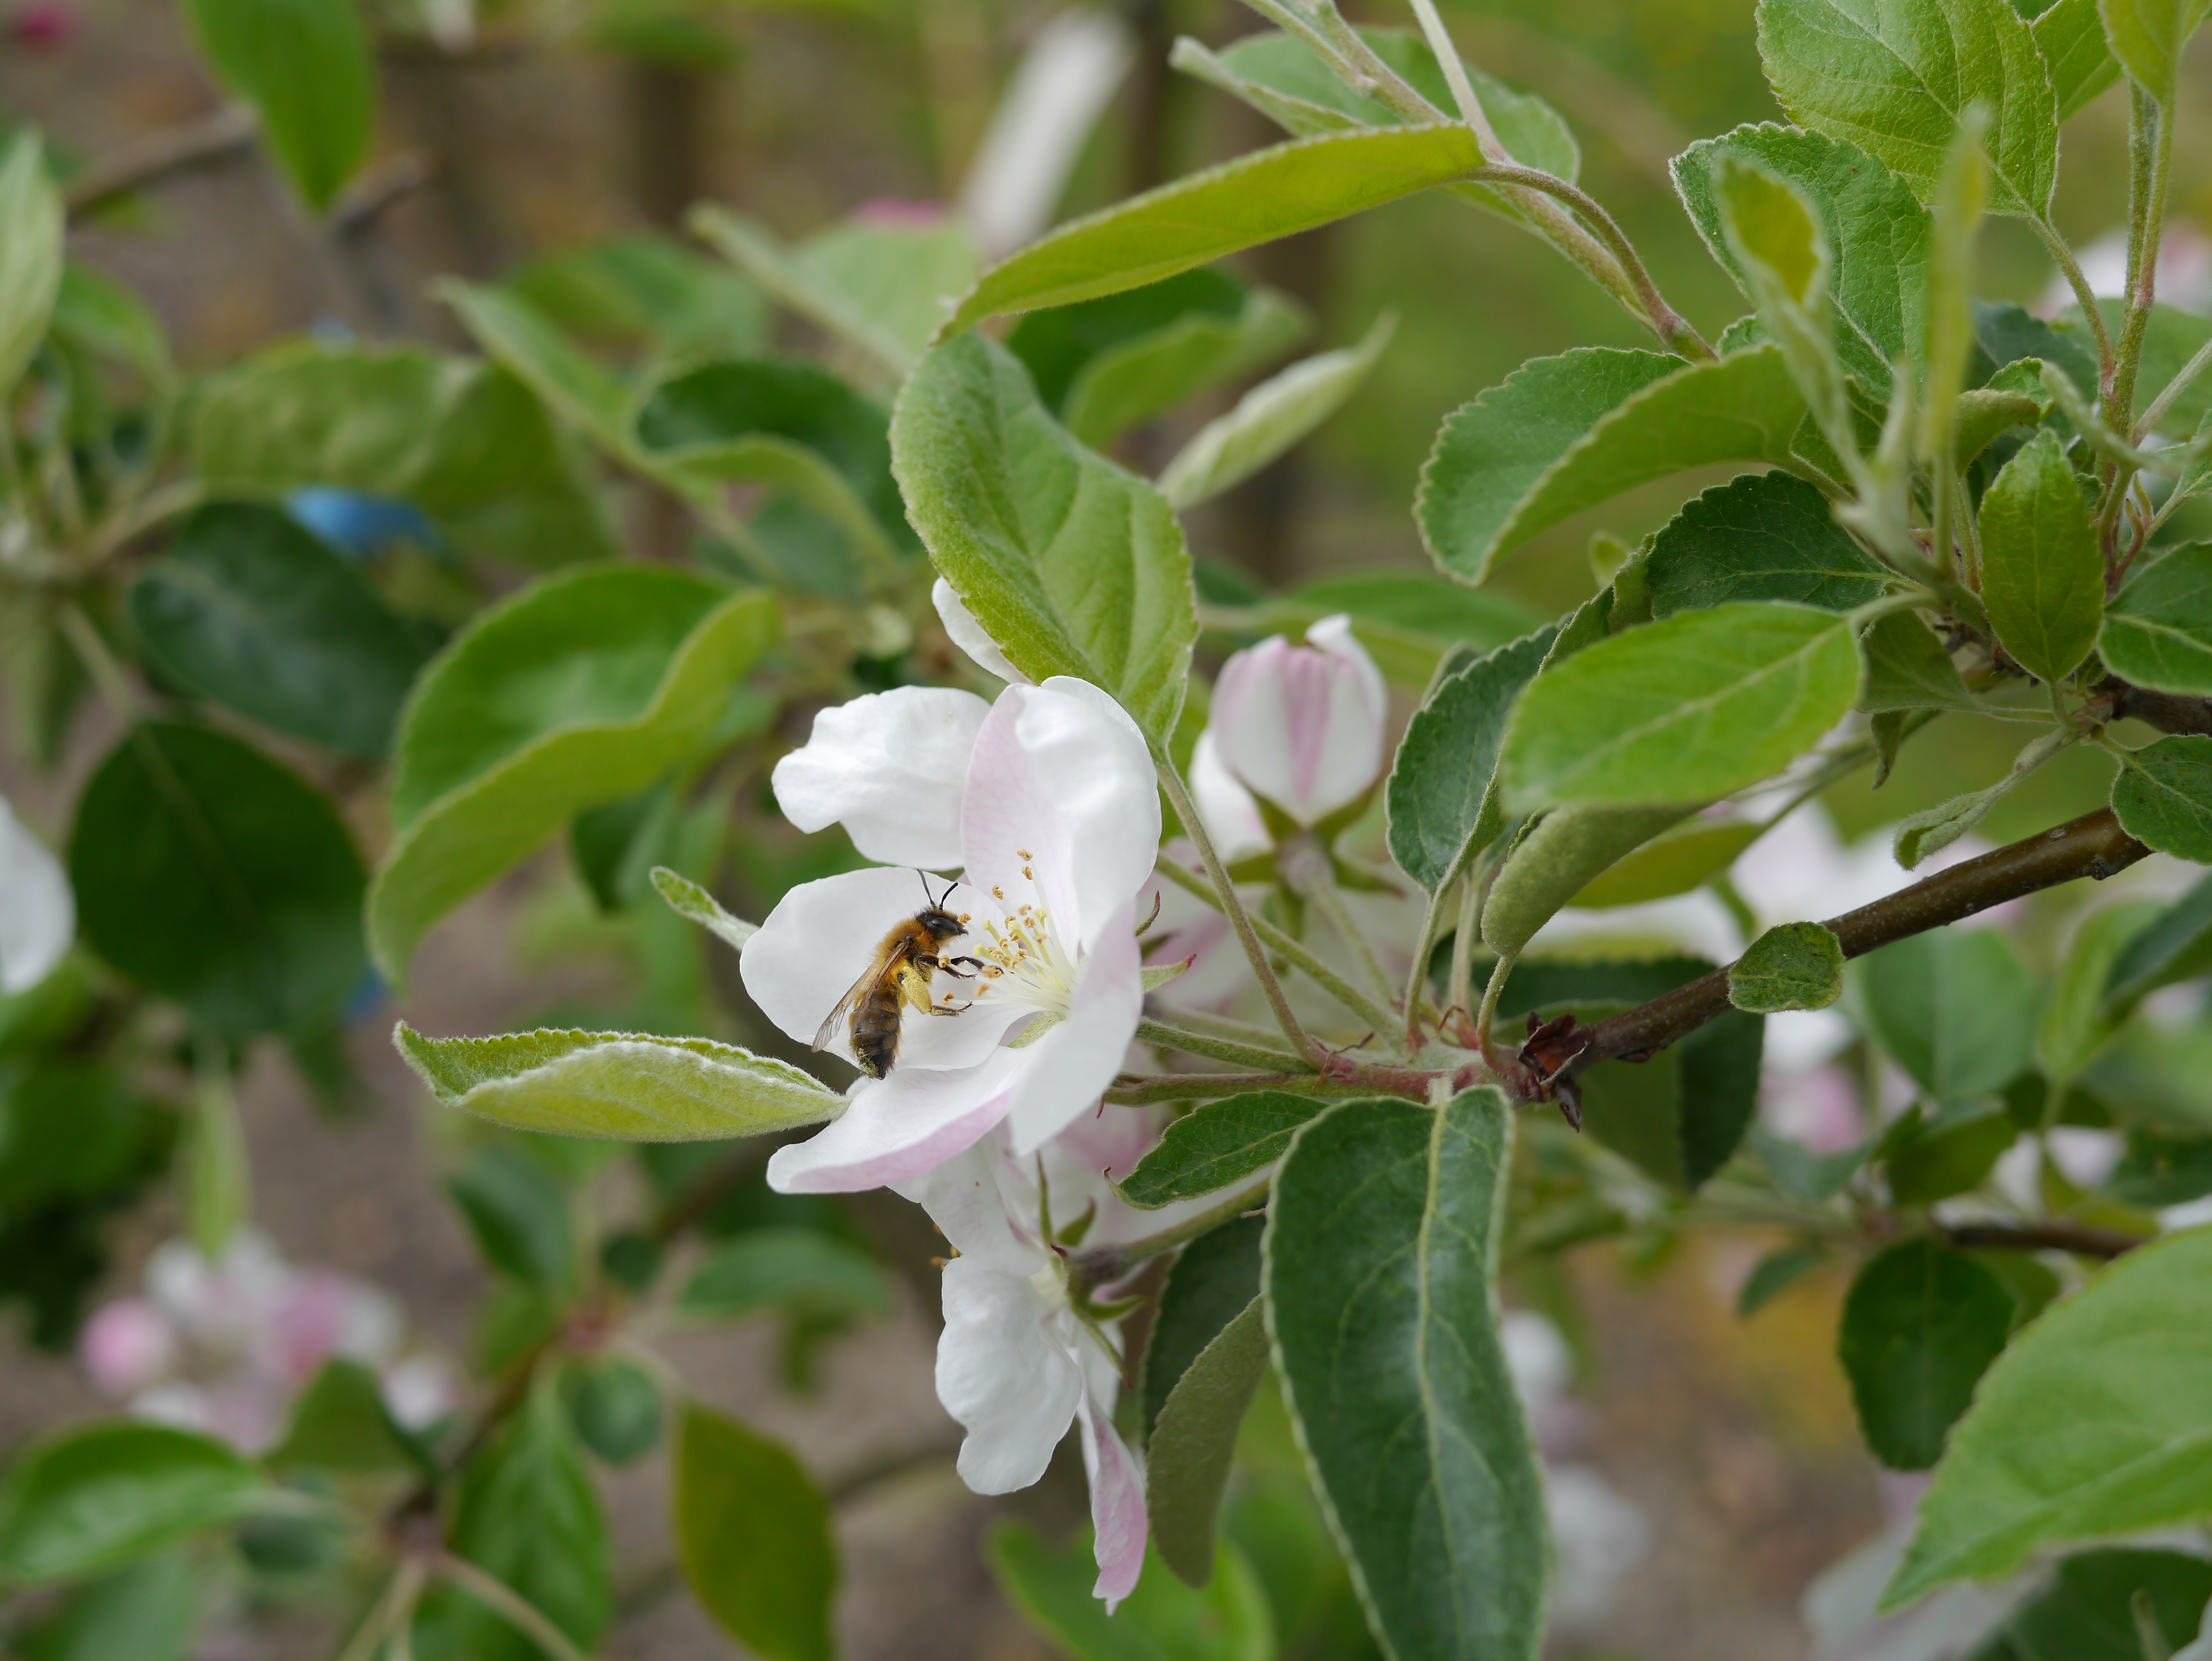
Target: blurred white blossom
x,y
38,913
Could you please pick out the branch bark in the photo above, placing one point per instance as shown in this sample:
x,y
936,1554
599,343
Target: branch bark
x,y
2092,846
2077,1237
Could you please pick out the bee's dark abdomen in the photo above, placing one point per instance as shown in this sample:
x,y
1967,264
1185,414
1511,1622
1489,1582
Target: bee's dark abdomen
x,y
876,1029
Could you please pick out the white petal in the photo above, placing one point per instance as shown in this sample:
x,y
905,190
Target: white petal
x,y
823,936
38,913
1232,818
1117,1506
889,767
1064,1071
895,1130
1012,1389
968,636
965,1196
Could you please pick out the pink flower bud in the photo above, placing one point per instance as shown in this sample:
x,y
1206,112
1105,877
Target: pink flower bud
x,y
126,1346
1302,725
42,23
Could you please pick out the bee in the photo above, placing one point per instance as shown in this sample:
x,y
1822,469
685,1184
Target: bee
x,y
899,975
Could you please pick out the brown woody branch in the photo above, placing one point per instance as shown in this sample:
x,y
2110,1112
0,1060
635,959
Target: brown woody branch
x,y
2092,846
204,142
2056,1236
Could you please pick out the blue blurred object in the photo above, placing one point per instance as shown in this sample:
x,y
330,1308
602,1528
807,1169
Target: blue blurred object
x,y
356,523
365,1000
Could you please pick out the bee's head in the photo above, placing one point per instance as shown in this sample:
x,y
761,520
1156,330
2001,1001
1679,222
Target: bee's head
x,y
941,924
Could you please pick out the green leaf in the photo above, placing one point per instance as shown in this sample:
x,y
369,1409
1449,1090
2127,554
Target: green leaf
x,y
1381,1250
1215,1278
248,609
1187,1456
2175,945
1163,1619
209,872
1930,1159
753,1533
2077,1020
1680,1116
1797,965
584,689
1271,193
2112,1387
1216,1147
148,1611
1147,373
2147,36
1802,1174
1947,347
1907,668
2170,338
2106,1606
1072,565
109,321
614,1405
1564,433
569,381
1894,80
518,1212
2042,577
1672,862
2071,37
1269,419
1774,1274
1761,535
1441,799
802,1270
530,1517
1877,235
632,1086
31,225
884,288
689,899
1984,412
1953,1008
2163,795
304,65
340,1423
463,440
1685,709
1920,1325
2158,628
1557,859
2161,1169
646,288
78,1501
1278,75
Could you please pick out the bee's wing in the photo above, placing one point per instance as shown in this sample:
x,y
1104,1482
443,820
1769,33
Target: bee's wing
x,y
871,978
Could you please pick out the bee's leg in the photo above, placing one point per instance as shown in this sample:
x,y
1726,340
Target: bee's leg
x,y
980,966
951,1009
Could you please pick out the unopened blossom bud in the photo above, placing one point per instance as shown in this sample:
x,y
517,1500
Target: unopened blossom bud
x,y
126,1346
1302,725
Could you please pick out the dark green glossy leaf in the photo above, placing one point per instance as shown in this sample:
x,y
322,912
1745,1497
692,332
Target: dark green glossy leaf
x,y
1380,1250
1214,1278
1187,1455
1762,536
1217,1146
1774,1274
214,875
83,1500
518,1213
2158,628
1931,1159
2043,578
248,609
1907,668
614,1405
2163,795
2095,1603
1920,1326
753,1534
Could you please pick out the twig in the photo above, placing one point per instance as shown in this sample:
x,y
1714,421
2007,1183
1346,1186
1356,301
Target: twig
x,y
2054,1236
204,141
503,1600
1161,1035
2091,846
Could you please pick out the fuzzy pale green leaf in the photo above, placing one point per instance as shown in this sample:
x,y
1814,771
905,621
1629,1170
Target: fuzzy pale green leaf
x,y
2163,795
2158,628
2146,36
689,899
1797,965
31,223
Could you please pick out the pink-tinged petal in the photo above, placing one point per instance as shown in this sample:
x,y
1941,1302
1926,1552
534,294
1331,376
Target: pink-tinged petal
x,y
966,1197
1096,769
823,936
889,767
1065,1070
1232,817
1303,724
961,627
1117,1506
1011,826
897,1129
126,1346
1004,1376
1333,635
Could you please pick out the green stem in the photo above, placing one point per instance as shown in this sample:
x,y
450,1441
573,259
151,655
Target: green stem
x,y
99,663
1222,1026
1294,953
1161,1035
1222,895
1142,1089
1304,865
1459,990
2183,379
2151,155
1432,923
1104,1265
502,1600
2063,255
1491,994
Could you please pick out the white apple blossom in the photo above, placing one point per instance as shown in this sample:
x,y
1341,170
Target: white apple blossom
x,y
961,627
1058,827
1019,1360
1303,725
38,913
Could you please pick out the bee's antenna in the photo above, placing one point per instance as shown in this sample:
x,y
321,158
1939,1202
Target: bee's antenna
x,y
929,901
